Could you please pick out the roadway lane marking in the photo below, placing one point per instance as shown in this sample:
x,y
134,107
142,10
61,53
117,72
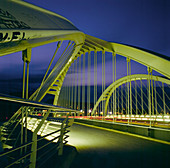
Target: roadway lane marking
x,y
126,133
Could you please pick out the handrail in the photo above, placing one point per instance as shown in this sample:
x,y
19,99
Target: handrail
x,y
59,144
28,102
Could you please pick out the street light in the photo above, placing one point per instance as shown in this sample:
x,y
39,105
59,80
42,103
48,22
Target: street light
x,y
89,112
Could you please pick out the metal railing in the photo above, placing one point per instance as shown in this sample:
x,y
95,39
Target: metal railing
x,y
29,148
28,154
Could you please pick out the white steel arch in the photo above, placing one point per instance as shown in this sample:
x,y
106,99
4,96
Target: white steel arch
x,y
110,89
155,61
28,35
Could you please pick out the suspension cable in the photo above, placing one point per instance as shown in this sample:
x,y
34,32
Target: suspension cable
x,y
128,87
83,87
114,73
89,80
75,85
122,97
163,95
136,97
79,83
155,98
141,96
95,79
72,85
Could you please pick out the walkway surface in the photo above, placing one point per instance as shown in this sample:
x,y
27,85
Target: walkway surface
x,y
101,148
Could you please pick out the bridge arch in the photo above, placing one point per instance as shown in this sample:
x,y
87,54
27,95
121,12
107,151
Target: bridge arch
x,y
111,88
148,58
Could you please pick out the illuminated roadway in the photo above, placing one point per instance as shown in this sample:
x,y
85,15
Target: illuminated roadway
x,y
113,149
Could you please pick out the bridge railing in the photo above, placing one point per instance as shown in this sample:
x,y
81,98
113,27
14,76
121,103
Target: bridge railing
x,y
145,120
32,132
35,152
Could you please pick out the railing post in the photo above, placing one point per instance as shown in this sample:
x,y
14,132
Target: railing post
x,y
22,129
60,151
34,144
34,151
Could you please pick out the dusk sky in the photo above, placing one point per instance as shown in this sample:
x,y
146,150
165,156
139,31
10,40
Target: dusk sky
x,y
141,23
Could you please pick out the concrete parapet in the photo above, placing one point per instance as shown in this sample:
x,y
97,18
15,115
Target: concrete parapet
x,y
157,133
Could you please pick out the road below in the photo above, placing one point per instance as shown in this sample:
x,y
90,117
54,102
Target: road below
x,y
101,148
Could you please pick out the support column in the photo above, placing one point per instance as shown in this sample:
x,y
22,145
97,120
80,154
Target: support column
x,y
27,80
26,57
23,81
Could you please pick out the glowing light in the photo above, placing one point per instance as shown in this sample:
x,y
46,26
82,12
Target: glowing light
x,y
166,116
159,116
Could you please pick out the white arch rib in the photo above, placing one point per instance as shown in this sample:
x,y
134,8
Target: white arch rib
x,y
110,89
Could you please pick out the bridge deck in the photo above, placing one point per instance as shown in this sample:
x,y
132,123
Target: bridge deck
x,y
100,148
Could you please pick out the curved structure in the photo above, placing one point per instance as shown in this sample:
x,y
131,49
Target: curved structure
x,y
32,26
153,61
22,30
110,89
149,59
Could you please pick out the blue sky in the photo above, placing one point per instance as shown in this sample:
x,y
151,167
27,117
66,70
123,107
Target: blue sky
x,y
141,23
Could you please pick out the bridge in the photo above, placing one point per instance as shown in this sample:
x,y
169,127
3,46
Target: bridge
x,y
108,100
